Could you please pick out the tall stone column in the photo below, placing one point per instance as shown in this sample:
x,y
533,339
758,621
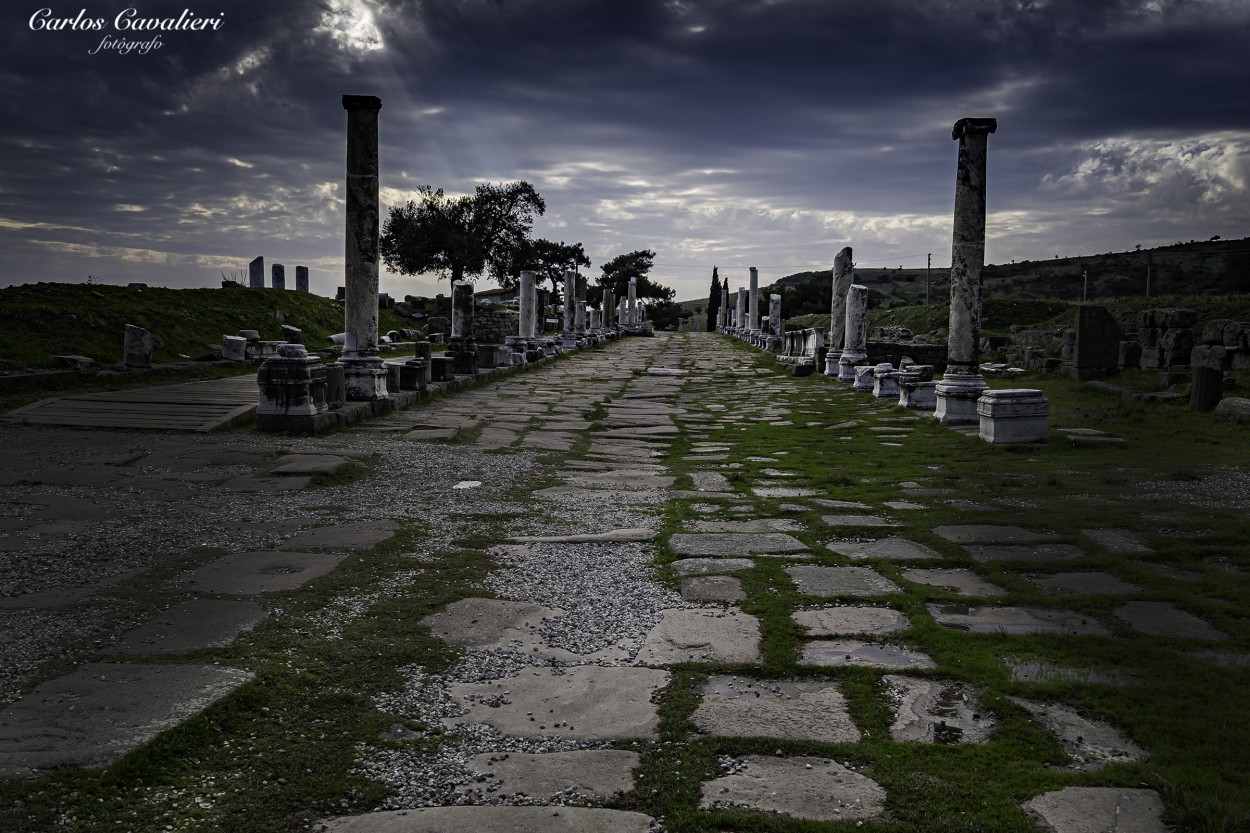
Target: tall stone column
x,y
843,277
724,306
460,345
622,312
279,276
301,278
753,322
363,371
579,309
570,305
854,348
256,273
608,304
633,302
773,344
525,305
961,384
740,317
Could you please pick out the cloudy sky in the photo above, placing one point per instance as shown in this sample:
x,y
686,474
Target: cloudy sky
x,y
735,133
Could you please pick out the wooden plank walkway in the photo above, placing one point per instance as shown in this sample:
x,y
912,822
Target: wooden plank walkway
x,y
190,406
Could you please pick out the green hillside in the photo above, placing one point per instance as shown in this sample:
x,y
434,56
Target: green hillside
x,y
38,321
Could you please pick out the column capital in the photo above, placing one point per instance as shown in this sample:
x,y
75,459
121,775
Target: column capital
x,y
965,126
362,102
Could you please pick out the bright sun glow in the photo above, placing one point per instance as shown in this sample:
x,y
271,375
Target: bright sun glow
x,y
350,24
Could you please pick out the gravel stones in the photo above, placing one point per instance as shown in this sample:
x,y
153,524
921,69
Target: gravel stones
x,y
840,581
1016,620
702,636
793,710
1098,810
1091,745
835,621
729,544
936,711
100,711
802,787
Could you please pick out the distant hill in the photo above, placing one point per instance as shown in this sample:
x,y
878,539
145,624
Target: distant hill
x,y
40,320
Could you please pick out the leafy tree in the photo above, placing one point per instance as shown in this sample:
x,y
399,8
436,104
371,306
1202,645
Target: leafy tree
x,y
713,301
618,271
664,315
459,237
549,260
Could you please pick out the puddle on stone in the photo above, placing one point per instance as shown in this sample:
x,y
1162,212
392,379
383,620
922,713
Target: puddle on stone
x,y
854,652
467,484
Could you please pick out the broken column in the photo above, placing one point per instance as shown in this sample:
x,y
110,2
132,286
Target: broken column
x,y
256,273
855,332
961,384
279,276
622,314
460,344
632,321
753,320
363,371
414,374
301,278
774,323
570,303
136,347
579,309
843,277
723,312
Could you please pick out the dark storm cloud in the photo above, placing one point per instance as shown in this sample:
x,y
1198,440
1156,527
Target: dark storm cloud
x,y
769,131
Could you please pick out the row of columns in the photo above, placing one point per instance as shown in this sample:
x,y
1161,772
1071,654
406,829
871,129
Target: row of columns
x,y
256,276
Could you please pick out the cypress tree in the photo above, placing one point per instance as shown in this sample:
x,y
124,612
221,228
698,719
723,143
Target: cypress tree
x,y
713,301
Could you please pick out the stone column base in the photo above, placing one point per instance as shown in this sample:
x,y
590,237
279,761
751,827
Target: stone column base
x,y
1013,416
364,378
846,365
957,396
831,363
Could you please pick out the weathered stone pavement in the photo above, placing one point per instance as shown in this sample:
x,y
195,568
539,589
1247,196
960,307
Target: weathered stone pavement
x,y
559,710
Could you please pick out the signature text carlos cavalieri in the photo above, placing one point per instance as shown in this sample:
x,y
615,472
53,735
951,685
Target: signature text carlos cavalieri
x,y
127,23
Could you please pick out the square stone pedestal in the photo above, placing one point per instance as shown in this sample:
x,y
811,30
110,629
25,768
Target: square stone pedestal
x,y
957,396
883,384
864,375
442,369
917,396
1013,416
292,392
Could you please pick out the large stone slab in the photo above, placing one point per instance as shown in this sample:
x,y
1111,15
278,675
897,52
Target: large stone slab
x,y
1083,584
1015,620
588,774
856,520
799,787
491,820
731,544
1119,541
1164,619
1091,745
192,626
936,711
840,581
754,525
834,653
794,710
587,702
1041,553
704,566
990,534
712,589
963,582
836,621
1098,810
362,535
100,711
250,573
891,549
702,636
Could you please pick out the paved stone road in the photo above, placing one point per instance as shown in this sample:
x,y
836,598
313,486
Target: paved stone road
x,y
555,699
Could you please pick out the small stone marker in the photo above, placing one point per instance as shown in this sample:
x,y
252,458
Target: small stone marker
x,y
860,654
702,636
1094,809
805,710
836,621
136,347
100,711
1091,745
1164,619
963,582
1015,620
800,787
936,711
840,581
587,702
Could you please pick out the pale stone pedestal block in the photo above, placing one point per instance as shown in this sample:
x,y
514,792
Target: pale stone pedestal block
x,y
957,396
364,378
292,391
1013,416
883,384
847,363
917,396
831,363
864,375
